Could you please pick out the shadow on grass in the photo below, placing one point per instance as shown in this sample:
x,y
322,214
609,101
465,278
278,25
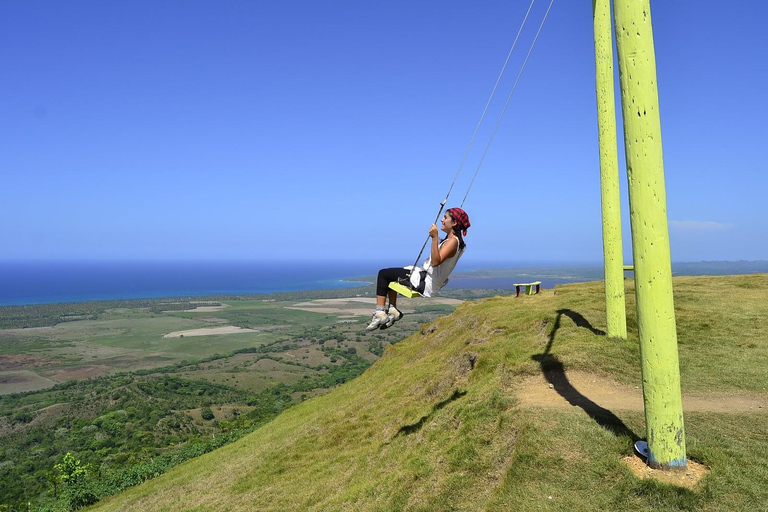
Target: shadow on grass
x,y
415,427
554,372
579,320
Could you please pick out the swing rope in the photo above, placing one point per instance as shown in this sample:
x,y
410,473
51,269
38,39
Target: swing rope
x,y
477,129
487,104
501,116
406,280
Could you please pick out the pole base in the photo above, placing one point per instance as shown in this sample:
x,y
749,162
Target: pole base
x,y
641,447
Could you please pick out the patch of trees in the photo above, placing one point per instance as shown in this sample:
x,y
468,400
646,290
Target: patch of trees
x,y
124,429
107,423
46,315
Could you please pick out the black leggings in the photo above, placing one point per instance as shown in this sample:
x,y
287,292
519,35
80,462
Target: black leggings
x,y
386,276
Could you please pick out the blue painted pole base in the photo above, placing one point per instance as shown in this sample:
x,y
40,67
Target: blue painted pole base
x,y
641,447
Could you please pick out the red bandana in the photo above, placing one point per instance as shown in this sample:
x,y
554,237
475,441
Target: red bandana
x,y
461,219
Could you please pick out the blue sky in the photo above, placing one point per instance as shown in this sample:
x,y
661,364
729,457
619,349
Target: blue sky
x,y
332,130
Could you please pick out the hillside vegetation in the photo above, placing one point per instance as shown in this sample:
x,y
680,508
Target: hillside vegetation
x,y
438,424
132,388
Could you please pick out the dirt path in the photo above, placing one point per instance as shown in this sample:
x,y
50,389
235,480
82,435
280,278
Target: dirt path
x,y
586,390
208,331
344,306
599,395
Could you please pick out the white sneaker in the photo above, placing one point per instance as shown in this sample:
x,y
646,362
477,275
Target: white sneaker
x,y
379,319
393,315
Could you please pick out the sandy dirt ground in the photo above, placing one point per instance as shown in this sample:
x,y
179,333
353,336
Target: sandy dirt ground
x,y
209,331
206,309
593,393
343,307
687,477
580,389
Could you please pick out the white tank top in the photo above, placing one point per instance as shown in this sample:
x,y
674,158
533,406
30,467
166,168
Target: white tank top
x,y
437,276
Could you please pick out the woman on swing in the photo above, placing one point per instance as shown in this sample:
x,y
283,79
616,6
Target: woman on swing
x,y
430,277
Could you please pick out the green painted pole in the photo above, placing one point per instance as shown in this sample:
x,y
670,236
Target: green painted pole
x,y
613,257
650,234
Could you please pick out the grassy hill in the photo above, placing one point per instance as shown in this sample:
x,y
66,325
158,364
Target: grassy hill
x,y
440,421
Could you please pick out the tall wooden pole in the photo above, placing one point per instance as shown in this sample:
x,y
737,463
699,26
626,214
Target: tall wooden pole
x,y
650,234
613,257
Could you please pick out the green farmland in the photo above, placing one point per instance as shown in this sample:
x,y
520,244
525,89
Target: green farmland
x,y
123,383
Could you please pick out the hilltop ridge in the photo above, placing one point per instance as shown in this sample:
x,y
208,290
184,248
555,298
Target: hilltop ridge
x,y
438,422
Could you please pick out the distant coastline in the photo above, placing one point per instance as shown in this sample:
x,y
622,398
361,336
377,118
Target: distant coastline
x,y
26,283
554,274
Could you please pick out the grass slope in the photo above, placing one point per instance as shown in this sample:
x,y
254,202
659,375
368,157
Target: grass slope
x,y
435,424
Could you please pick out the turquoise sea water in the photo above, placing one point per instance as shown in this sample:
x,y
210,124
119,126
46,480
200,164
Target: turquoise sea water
x,y
51,282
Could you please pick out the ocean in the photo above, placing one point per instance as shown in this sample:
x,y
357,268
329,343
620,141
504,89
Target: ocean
x,y
45,282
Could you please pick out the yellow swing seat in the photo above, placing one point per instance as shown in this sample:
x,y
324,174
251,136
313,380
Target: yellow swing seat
x,y
403,290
